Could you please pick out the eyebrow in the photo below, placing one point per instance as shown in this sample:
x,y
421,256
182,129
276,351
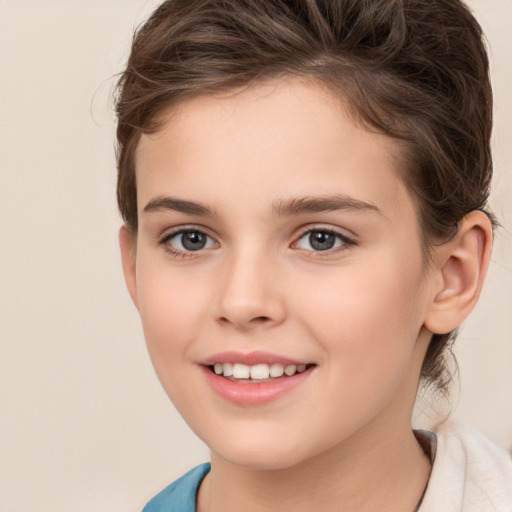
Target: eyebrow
x,y
178,205
288,207
297,206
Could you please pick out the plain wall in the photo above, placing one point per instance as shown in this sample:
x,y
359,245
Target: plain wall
x,y
84,425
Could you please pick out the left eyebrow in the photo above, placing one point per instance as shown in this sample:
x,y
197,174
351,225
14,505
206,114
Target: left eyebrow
x,y
178,205
298,205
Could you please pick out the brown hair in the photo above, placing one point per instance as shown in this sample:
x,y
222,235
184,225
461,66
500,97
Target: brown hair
x,y
416,70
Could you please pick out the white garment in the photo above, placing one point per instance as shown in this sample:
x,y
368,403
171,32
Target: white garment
x,y
469,473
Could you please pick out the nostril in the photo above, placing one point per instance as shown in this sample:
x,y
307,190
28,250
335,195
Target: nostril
x,y
260,319
255,321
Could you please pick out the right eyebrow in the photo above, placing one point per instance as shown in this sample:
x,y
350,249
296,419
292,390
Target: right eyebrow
x,y
162,203
300,205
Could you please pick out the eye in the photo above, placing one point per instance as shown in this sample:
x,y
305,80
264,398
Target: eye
x,y
320,240
187,240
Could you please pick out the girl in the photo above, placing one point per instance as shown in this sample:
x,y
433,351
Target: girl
x,y
304,189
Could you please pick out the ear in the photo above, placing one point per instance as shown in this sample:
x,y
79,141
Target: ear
x,y
461,267
128,258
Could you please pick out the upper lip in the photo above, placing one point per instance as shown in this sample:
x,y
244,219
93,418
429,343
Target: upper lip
x,y
250,358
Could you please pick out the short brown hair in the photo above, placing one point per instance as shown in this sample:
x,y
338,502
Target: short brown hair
x,y
416,70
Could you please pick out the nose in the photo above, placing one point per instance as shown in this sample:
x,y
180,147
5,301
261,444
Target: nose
x,y
250,293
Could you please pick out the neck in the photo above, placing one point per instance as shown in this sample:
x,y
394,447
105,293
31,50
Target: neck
x,y
355,475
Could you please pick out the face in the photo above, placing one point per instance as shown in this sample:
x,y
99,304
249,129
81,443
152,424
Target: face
x,y
279,275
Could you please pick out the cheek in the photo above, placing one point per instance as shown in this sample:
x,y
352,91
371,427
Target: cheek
x,y
367,319
171,305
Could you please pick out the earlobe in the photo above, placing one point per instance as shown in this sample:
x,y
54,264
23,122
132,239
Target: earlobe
x,y
128,259
462,264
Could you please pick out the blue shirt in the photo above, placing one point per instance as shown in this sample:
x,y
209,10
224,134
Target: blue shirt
x,y
180,496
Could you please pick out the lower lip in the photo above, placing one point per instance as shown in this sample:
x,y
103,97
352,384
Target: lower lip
x,y
253,393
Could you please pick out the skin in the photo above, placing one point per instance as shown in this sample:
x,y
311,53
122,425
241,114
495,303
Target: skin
x,y
362,312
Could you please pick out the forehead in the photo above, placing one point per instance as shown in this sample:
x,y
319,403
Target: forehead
x,y
280,139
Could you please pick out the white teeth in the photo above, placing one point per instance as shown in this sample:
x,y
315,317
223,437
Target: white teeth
x,y
276,370
290,369
241,371
227,369
260,371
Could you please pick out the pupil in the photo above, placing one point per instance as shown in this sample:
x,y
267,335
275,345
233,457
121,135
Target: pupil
x,y
322,241
193,241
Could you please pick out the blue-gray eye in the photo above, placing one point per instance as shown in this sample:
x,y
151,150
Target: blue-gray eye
x,y
191,240
320,240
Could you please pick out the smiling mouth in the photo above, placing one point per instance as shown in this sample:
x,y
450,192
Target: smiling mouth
x,y
262,372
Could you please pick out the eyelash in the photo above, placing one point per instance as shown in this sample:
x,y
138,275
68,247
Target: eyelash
x,y
344,242
177,253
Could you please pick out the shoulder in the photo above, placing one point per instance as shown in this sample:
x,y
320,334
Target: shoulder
x,y
469,472
180,496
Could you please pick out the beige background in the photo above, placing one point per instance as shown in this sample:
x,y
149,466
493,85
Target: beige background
x,y
84,425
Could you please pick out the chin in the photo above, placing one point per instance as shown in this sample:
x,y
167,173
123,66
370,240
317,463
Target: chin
x,y
262,462
263,456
